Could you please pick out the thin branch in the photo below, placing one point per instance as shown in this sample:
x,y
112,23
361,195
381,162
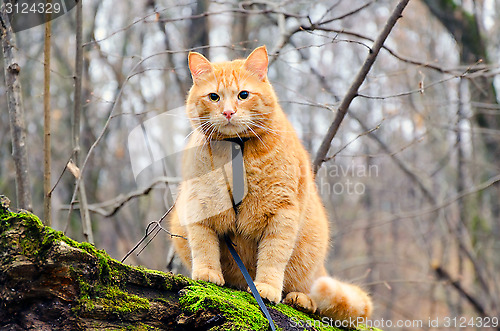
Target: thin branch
x,y
438,206
329,10
47,219
311,29
157,227
61,174
285,36
341,17
353,90
121,200
155,19
422,88
443,274
401,165
365,132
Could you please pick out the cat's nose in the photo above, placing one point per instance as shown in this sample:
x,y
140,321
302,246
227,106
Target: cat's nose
x,y
228,113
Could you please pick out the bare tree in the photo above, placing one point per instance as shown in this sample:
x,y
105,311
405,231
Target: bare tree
x,y
16,112
80,182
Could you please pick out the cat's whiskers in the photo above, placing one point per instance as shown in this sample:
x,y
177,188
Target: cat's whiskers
x,y
202,126
213,128
264,127
200,147
206,130
238,135
206,139
257,136
257,112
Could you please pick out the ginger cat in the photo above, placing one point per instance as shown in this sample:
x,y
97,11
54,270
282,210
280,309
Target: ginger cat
x,y
281,230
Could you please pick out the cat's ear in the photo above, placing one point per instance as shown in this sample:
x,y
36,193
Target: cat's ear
x,y
198,65
257,62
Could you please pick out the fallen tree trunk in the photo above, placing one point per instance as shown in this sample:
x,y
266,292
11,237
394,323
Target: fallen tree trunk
x,y
50,282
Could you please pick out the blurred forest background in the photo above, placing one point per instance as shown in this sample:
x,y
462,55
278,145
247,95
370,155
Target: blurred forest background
x,y
411,178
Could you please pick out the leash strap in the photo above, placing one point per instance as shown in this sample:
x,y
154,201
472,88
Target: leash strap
x,y
238,192
248,279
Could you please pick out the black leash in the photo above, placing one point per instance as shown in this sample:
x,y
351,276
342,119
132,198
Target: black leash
x,y
238,193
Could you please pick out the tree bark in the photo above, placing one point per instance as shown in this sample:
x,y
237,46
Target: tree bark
x,y
16,112
47,190
77,113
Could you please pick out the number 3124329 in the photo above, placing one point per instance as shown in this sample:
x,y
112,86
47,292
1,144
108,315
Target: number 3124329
x,y
35,8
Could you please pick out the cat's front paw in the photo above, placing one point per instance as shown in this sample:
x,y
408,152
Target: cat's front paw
x,y
208,275
269,292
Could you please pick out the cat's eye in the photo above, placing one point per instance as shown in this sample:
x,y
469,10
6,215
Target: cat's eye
x,y
214,97
243,95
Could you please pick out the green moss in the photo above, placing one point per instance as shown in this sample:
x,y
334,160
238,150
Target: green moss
x,y
110,300
105,294
36,239
31,239
32,222
241,308
102,293
141,327
171,282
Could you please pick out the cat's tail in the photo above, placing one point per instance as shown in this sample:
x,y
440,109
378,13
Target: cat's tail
x,y
341,301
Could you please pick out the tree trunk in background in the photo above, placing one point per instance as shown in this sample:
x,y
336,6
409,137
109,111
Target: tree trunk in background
x,y
462,223
395,241
368,232
239,36
464,28
46,124
199,28
16,113
82,195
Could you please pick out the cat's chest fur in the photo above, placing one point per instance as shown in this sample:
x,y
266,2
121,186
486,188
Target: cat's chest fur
x,y
271,182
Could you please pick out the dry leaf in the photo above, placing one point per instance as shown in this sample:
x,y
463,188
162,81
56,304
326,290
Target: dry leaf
x,y
73,168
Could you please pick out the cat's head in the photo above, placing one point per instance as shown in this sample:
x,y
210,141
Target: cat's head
x,y
231,99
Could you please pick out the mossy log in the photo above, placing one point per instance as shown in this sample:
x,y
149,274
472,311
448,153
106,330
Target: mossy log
x,y
51,282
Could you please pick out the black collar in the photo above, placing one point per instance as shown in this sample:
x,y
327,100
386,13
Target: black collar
x,y
240,141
